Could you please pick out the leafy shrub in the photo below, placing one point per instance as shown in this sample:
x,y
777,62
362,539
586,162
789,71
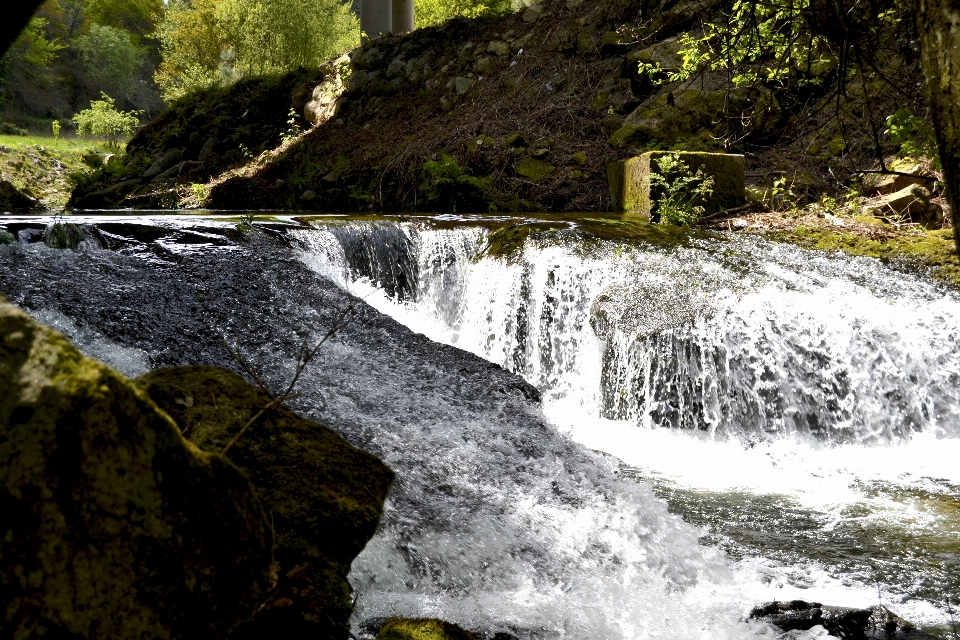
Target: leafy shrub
x,y
681,192
913,135
104,120
10,129
7,238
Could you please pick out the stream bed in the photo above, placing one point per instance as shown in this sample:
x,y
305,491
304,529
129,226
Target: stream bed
x,y
598,436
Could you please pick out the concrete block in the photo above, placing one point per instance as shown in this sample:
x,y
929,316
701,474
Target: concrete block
x,y
630,181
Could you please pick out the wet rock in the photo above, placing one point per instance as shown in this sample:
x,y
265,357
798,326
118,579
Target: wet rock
x,y
12,199
63,235
630,188
874,623
534,169
164,161
323,495
423,629
29,236
114,526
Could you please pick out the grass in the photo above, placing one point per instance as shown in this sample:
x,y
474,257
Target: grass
x,y
65,144
41,166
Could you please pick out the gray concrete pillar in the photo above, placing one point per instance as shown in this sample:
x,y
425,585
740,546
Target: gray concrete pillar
x,y
402,16
376,17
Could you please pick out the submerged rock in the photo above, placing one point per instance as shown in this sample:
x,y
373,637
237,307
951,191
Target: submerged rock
x,y
324,496
873,623
643,309
113,525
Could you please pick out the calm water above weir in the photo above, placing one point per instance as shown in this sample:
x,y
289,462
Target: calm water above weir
x,y
799,412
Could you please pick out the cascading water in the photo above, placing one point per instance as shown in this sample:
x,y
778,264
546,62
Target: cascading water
x,y
804,408
811,403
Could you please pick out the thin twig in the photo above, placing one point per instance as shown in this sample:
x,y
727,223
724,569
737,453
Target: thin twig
x,y
243,363
302,361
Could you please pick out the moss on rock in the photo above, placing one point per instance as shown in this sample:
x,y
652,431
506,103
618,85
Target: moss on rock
x,y
931,250
324,496
112,525
423,629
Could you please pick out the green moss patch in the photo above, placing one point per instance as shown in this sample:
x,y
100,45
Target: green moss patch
x,y
423,629
933,250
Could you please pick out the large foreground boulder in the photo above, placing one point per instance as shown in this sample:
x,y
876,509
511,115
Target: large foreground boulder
x,y
112,525
323,495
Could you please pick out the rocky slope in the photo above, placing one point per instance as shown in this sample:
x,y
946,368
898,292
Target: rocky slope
x,y
519,112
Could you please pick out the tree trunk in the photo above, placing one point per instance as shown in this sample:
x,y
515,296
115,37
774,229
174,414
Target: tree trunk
x,y
938,23
15,19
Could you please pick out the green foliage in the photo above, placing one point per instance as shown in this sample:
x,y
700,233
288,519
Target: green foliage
x,y
33,47
245,226
7,238
681,192
293,127
792,42
110,58
55,126
104,120
914,136
200,192
216,42
448,186
138,17
431,12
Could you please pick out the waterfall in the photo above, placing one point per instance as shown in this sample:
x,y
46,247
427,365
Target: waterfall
x,y
757,341
748,381
723,421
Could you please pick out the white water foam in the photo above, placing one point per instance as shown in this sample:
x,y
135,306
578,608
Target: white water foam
x,y
796,375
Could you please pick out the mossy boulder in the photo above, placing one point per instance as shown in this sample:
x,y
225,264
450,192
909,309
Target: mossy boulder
x,y
324,496
534,169
630,187
112,525
423,629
